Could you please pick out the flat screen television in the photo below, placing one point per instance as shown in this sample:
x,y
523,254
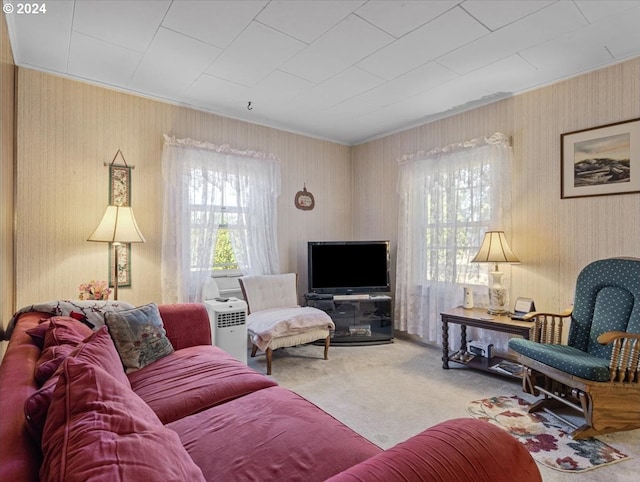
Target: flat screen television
x,y
347,267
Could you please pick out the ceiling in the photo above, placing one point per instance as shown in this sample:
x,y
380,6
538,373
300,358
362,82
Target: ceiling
x,y
346,71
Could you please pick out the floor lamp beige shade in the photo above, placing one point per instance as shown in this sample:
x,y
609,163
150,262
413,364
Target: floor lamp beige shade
x,y
495,249
118,226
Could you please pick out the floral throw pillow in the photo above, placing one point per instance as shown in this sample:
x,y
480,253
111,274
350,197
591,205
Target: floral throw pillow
x,y
138,335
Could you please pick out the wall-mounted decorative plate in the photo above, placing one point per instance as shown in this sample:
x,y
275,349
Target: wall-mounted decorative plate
x,y
304,200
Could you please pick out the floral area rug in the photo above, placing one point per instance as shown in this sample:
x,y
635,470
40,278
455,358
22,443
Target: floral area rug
x,y
545,437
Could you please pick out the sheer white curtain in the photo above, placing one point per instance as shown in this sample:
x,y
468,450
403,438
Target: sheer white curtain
x,y
448,198
196,174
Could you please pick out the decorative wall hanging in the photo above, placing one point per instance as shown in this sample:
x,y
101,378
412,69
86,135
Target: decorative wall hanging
x,y
304,199
601,161
120,195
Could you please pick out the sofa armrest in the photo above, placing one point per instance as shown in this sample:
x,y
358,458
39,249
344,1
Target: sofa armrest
x,y
461,449
186,324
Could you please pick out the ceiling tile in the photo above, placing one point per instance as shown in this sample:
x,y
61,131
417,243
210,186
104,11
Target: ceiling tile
x,y
398,18
609,38
216,23
498,13
172,63
597,10
342,46
532,30
509,75
216,94
100,61
619,33
42,41
339,88
258,51
278,86
306,20
128,23
445,33
455,95
419,80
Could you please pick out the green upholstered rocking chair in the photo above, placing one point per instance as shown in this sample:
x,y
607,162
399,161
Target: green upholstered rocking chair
x,y
597,371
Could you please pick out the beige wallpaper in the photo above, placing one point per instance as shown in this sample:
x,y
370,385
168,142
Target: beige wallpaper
x,y
7,93
67,130
553,238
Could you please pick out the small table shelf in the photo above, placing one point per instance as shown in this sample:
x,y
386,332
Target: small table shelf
x,y
479,318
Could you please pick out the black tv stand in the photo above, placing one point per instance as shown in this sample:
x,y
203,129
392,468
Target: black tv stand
x,y
359,319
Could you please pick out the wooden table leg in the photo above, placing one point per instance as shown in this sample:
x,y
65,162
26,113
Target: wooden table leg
x,y
445,345
463,337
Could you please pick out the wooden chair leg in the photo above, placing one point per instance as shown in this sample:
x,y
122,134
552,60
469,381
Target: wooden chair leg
x,y
254,350
327,342
269,353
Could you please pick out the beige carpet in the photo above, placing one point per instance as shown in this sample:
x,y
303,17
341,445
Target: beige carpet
x,y
388,393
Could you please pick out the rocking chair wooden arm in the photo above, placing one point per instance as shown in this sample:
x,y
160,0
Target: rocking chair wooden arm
x,y
548,326
625,355
610,336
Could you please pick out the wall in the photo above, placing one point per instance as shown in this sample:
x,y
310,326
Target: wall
x,y
554,238
67,130
7,94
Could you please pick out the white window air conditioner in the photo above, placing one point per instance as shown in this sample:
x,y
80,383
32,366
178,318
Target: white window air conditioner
x,y
228,318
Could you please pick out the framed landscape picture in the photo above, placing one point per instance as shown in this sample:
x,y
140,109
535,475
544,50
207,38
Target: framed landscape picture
x,y
601,161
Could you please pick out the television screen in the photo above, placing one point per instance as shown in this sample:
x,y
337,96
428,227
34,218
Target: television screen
x,y
344,267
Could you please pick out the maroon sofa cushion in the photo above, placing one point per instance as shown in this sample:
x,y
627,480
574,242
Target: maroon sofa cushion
x,y
194,379
276,434
98,429
20,455
458,449
97,349
186,324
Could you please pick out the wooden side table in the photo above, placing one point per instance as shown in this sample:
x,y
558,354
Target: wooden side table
x,y
479,318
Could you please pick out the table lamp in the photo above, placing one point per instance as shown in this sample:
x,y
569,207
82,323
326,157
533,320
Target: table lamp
x,y
495,249
118,226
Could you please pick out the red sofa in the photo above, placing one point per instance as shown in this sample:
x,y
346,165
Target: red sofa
x,y
217,420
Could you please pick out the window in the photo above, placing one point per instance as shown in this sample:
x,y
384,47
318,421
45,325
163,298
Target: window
x,y
457,215
219,215
448,197
206,198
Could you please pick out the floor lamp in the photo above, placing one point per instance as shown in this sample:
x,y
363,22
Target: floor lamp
x,y
495,249
118,226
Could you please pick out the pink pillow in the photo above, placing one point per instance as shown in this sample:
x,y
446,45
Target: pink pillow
x,y
99,350
58,331
37,333
98,429
50,359
64,330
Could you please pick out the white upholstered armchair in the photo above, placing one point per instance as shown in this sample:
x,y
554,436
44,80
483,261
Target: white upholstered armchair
x,y
276,320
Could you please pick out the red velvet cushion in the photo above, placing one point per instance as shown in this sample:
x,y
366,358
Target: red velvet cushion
x,y
37,333
194,379
97,349
177,317
50,359
64,330
59,335
458,449
271,434
98,429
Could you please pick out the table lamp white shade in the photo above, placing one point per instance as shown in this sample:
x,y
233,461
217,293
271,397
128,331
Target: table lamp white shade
x,y
118,226
495,249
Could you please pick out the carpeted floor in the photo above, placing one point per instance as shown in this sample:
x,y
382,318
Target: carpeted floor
x,y
388,393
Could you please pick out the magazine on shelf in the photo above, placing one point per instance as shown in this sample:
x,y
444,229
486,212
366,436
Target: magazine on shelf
x,y
508,368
